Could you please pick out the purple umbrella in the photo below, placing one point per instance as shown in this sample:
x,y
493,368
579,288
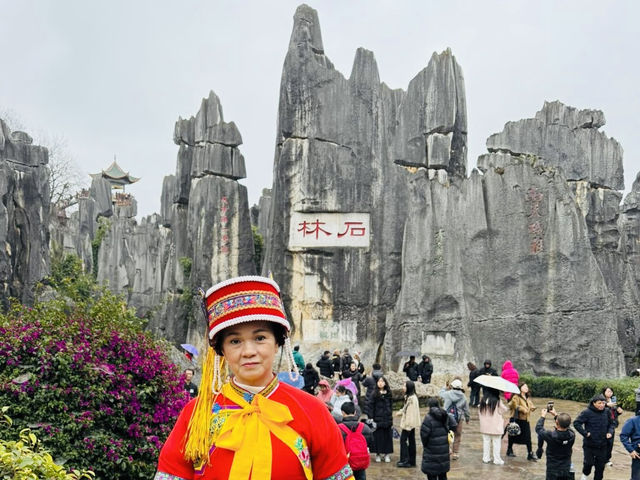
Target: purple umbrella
x,y
190,348
348,384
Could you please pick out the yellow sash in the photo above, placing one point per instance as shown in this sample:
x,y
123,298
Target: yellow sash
x,y
247,433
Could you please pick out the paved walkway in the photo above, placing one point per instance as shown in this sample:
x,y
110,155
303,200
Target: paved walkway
x,y
470,463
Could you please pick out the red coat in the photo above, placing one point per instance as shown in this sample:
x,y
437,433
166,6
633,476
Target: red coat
x,y
511,374
311,420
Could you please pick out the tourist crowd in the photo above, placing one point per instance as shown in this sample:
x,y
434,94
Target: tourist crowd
x,y
360,402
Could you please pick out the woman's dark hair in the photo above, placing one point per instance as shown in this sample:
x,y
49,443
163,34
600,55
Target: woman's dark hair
x,y
386,386
605,389
278,331
526,395
490,400
433,402
471,366
308,366
349,393
410,387
341,389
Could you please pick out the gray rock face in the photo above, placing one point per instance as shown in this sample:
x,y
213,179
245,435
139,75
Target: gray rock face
x,y
497,264
24,215
500,266
568,138
338,146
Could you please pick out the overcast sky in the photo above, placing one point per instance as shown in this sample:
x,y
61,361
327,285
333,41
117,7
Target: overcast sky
x,y
113,77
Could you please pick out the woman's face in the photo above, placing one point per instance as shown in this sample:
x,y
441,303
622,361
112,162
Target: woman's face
x,y
524,388
381,384
352,367
249,349
608,393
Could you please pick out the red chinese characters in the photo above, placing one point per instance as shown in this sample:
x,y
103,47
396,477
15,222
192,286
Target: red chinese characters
x,y
536,229
315,228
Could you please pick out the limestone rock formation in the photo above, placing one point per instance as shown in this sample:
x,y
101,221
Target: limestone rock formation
x,y
202,235
517,261
339,149
24,215
568,138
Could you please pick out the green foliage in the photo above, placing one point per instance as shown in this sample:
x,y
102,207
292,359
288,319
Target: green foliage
x,y
185,263
103,227
186,295
26,459
67,276
583,389
258,245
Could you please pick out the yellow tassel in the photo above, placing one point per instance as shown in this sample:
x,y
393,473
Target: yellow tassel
x,y
198,434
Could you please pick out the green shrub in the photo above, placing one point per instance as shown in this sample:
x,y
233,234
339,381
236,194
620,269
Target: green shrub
x,y
104,224
583,389
68,278
258,246
185,263
25,459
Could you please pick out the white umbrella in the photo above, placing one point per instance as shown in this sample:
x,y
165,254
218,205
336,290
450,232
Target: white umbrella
x,y
498,383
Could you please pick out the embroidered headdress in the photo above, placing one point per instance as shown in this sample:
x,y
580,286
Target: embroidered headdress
x,y
234,301
243,299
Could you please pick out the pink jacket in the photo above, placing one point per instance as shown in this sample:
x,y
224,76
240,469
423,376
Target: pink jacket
x,y
511,374
492,423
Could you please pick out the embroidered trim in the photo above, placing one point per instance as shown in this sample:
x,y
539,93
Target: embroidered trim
x,y
265,392
345,473
302,452
235,302
248,318
166,476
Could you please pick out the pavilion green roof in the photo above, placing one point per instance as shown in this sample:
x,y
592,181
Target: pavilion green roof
x,y
116,175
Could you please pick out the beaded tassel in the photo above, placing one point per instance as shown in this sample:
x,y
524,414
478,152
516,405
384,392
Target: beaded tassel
x,y
293,369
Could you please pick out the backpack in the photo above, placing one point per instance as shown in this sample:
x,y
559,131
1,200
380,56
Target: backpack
x,y
453,410
356,447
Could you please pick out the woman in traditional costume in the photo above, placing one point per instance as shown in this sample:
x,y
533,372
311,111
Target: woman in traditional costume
x,y
251,426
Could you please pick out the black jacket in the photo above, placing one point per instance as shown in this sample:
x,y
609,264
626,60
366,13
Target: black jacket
x,y
595,422
473,374
435,442
488,371
311,379
381,410
325,366
336,363
425,370
192,389
370,384
411,369
346,361
559,447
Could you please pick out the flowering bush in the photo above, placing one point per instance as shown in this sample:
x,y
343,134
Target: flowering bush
x,y
102,394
